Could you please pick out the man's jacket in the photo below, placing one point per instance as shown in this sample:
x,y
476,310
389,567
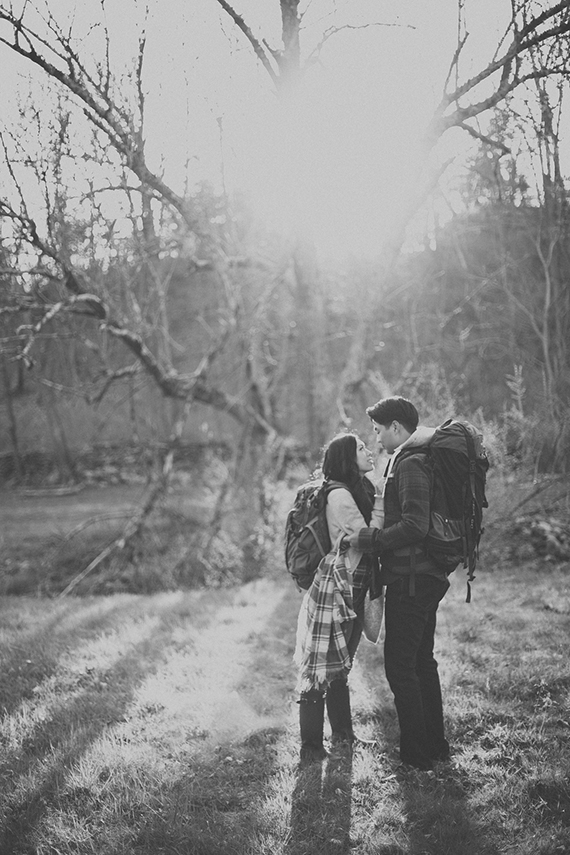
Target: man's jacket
x,y
407,488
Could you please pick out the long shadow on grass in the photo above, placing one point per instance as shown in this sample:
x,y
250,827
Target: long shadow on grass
x,y
321,807
223,803
35,655
438,820
55,744
210,809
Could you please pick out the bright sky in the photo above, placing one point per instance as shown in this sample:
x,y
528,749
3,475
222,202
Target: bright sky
x,y
340,161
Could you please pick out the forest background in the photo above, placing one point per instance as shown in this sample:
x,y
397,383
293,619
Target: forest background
x,y
227,229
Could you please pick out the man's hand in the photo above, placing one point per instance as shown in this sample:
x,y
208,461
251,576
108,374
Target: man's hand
x,y
368,539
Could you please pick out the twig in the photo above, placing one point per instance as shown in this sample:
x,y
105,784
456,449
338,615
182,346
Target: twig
x,y
537,490
95,563
131,529
135,524
91,521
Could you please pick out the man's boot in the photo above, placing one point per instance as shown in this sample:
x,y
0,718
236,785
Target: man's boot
x,y
338,711
311,721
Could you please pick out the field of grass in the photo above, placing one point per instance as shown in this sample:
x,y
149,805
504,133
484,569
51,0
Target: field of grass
x,y
167,724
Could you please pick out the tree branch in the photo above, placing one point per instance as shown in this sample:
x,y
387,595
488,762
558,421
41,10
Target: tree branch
x,y
484,138
99,108
256,45
112,377
521,43
332,31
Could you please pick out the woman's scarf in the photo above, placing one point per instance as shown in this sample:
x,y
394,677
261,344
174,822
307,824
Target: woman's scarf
x,y
363,494
321,652
365,576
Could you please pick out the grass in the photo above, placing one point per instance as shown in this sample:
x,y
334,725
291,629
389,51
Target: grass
x,y
167,724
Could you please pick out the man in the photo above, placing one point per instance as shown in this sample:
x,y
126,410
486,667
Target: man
x,y
414,584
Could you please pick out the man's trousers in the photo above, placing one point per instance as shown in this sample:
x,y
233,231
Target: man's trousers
x,y
411,668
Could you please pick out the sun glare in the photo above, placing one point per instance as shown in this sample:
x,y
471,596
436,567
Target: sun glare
x,y
337,161
330,170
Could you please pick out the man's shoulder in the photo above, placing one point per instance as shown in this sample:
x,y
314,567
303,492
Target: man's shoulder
x,y
415,456
413,464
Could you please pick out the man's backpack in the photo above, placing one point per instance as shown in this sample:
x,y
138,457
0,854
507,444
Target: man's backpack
x,y
307,538
459,465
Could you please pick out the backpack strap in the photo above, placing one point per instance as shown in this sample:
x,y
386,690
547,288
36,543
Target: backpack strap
x,y
470,547
412,588
409,452
334,485
469,534
326,488
312,528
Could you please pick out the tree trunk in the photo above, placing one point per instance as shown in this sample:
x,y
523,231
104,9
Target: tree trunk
x,y
63,458
12,424
309,380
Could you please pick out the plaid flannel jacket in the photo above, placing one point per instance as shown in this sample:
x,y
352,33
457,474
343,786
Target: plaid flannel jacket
x,y
407,518
322,654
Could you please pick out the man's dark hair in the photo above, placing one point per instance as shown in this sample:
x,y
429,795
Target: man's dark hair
x,y
397,409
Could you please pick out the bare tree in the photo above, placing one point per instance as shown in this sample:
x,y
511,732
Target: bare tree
x,y
135,316
306,363
534,47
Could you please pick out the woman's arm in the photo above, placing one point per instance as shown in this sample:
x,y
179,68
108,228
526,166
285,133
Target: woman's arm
x,y
343,516
377,519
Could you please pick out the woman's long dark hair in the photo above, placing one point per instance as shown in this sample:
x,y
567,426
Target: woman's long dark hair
x,y
339,464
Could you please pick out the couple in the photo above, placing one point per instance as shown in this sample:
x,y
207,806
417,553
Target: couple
x,y
411,599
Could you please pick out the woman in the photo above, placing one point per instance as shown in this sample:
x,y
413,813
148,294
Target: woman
x,y
331,620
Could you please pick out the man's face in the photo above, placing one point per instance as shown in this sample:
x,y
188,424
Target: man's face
x,y
388,436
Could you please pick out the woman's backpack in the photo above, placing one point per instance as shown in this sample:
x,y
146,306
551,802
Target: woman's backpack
x,y
307,538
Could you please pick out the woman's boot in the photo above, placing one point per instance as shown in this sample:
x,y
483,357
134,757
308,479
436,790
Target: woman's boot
x,y
311,721
338,711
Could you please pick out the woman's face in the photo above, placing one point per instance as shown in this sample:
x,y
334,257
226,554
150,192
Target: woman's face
x,y
364,459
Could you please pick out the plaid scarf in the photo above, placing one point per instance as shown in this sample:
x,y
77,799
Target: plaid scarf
x,y
321,653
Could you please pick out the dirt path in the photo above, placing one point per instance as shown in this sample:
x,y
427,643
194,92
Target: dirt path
x,y
202,687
